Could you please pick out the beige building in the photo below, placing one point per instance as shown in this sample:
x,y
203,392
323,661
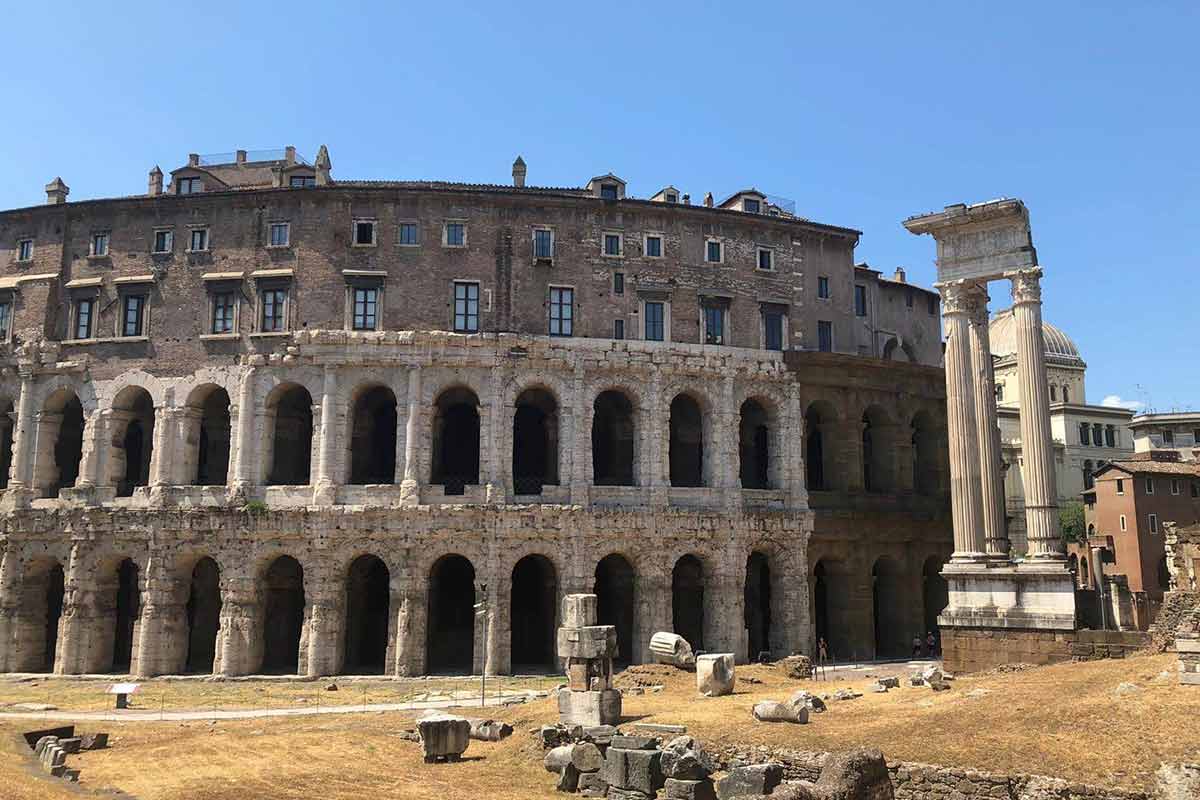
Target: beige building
x,y
1085,436
1178,431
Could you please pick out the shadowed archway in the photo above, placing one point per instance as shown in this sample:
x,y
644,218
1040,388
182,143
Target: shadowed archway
x,y
368,606
687,600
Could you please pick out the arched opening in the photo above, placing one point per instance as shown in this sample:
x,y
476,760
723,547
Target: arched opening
x,y
887,599
203,616
687,442
821,607
532,613
127,615
935,593
1087,474
7,421
615,601
612,440
283,615
132,439
876,451
62,422
535,442
757,605
456,440
1073,568
753,446
373,437
42,591
924,454
687,600
450,639
368,612
818,449
212,439
1085,577
290,406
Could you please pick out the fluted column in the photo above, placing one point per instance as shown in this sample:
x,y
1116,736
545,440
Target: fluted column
x,y
410,486
966,499
1041,493
244,463
995,535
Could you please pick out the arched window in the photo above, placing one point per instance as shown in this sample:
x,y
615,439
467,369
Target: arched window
x,y
1088,482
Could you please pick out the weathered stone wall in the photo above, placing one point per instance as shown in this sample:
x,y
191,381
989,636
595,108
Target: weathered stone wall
x,y
975,649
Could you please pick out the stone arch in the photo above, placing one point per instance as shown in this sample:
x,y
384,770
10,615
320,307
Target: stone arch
x,y
368,616
207,431
456,439
820,442
203,614
450,631
43,589
758,444
1163,573
131,440
898,350
688,430
832,614
614,439
1073,568
533,607
283,611
935,592
757,605
878,450
887,602
687,599
288,427
371,446
615,588
926,453
535,440
60,425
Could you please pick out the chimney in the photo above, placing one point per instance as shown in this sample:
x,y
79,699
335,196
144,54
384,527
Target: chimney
x,y
323,165
56,192
519,172
289,154
708,201
193,159
241,156
900,277
155,182
687,199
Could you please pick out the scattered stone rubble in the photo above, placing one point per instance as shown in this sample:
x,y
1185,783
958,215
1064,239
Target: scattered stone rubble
x,y
602,762
444,737
588,650
715,674
673,649
52,747
796,667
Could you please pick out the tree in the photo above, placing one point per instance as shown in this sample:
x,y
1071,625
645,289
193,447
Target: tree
x,y
1070,522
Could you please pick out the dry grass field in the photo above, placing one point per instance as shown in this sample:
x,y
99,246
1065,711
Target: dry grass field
x,y
1065,720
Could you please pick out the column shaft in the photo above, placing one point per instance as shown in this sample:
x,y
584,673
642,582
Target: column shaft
x,y
991,475
23,441
410,487
245,433
329,425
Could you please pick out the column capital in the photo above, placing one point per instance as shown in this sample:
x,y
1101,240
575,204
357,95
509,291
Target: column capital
x,y
1026,285
962,296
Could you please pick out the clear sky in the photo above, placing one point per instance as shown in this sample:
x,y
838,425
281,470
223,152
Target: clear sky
x,y
862,113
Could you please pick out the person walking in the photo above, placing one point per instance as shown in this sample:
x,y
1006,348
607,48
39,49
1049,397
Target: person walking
x,y
822,650
916,643
930,644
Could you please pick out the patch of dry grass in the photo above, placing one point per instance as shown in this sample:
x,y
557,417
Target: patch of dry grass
x,y
1064,720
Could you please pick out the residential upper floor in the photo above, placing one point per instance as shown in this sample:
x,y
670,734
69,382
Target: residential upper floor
x,y
1176,431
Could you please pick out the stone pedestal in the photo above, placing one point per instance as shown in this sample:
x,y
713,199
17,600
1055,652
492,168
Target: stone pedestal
x,y
588,650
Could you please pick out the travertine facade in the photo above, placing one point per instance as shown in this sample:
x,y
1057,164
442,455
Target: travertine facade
x,y
307,447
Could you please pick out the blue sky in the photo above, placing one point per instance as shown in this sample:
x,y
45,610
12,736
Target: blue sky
x,y
862,113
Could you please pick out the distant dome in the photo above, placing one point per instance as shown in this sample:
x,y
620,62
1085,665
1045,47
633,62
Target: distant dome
x,y
1002,331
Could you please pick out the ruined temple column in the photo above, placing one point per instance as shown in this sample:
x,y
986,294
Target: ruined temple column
x,y
163,632
1041,493
965,495
325,491
410,486
325,635
244,460
995,534
20,482
239,638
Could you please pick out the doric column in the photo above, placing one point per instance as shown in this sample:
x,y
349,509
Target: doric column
x,y
20,483
995,534
791,445
966,499
1041,493
325,492
10,606
163,632
579,446
653,432
724,468
244,461
410,487
408,600
87,611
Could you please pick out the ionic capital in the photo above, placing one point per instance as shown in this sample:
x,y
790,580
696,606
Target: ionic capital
x,y
1026,286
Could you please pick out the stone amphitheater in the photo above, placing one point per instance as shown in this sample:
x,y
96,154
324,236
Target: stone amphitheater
x,y
259,420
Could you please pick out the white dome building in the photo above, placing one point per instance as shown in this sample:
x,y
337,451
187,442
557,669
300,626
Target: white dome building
x,y
1064,366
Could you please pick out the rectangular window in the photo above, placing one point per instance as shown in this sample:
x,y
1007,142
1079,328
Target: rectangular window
x,y
543,244
655,326
456,234
612,244
773,330
407,234
25,250
825,336
1123,526
274,310
823,287
714,325
618,283
100,244
562,303
302,181
1110,436
1120,486
671,197
199,241
766,259
860,301
933,301
366,302
908,298
466,307
1154,523
133,315
751,206
280,234
364,233
189,186
654,246
83,317
1085,433
608,191
222,312
712,252
5,319
1176,486
1097,428
618,329
1149,485
164,241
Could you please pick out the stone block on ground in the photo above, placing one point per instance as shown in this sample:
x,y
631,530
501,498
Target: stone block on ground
x,y
715,674
858,774
916,680
673,649
684,759
877,687
890,681
489,730
774,711
43,743
658,727
640,770
601,735
1178,781
586,757
62,732
592,784
629,742
93,741
70,745
602,707
938,685
931,673
754,780
618,793
579,610
846,694
444,737
557,758
808,700
677,789
796,667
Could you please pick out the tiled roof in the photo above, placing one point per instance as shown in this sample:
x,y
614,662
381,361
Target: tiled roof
x,y
1187,468
470,187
